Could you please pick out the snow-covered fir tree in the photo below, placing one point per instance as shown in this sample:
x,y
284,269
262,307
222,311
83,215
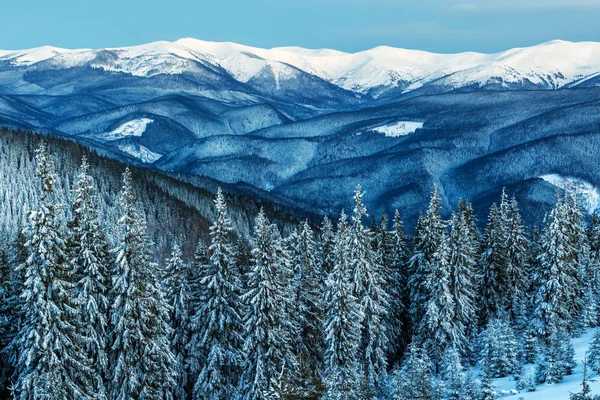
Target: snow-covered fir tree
x,y
416,379
53,362
499,349
462,280
593,354
439,328
177,293
217,326
493,264
368,288
556,297
307,291
517,265
397,285
143,363
269,330
326,244
88,251
342,324
427,238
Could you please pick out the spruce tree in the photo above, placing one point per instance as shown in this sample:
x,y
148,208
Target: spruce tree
x,y
143,363
492,266
416,379
52,361
462,279
556,297
307,291
268,328
499,352
427,238
89,257
177,293
593,354
439,328
217,339
342,324
517,265
368,289
398,285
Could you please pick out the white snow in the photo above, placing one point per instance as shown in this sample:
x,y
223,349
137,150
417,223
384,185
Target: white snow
x,y
555,63
400,128
585,191
134,127
559,391
140,152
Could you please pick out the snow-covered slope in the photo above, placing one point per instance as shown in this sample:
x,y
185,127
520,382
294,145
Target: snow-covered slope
x,y
549,65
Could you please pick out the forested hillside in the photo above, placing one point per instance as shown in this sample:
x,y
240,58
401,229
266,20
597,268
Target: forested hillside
x,y
100,302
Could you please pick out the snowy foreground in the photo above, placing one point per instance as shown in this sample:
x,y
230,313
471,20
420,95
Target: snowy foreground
x,y
570,384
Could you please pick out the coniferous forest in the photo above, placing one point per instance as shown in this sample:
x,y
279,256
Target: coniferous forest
x,y
109,291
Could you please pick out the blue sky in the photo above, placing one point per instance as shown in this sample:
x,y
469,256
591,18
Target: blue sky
x,y
349,25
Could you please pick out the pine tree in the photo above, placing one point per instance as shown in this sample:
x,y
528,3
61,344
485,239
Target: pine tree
x,y
326,244
517,265
462,261
455,380
427,238
307,286
342,324
593,354
398,291
416,378
556,297
89,257
492,266
439,327
269,331
217,326
177,294
143,364
12,305
52,362
499,349
367,288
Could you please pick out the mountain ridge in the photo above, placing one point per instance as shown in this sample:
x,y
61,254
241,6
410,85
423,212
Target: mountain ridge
x,y
549,65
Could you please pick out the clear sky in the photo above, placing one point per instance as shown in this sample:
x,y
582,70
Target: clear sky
x,y
349,25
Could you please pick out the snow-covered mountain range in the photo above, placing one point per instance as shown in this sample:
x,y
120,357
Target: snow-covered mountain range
x,y
290,122
553,64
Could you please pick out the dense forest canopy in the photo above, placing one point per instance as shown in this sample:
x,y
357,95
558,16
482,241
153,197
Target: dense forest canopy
x,y
104,298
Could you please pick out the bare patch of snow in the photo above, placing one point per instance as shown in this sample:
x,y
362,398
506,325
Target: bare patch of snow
x,y
587,193
400,128
140,152
134,127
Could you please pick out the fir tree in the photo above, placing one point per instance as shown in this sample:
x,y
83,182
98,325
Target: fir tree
x,y
52,362
593,354
462,261
499,349
398,285
367,288
89,256
556,297
178,297
439,328
269,331
416,378
217,339
427,239
143,364
492,266
342,324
